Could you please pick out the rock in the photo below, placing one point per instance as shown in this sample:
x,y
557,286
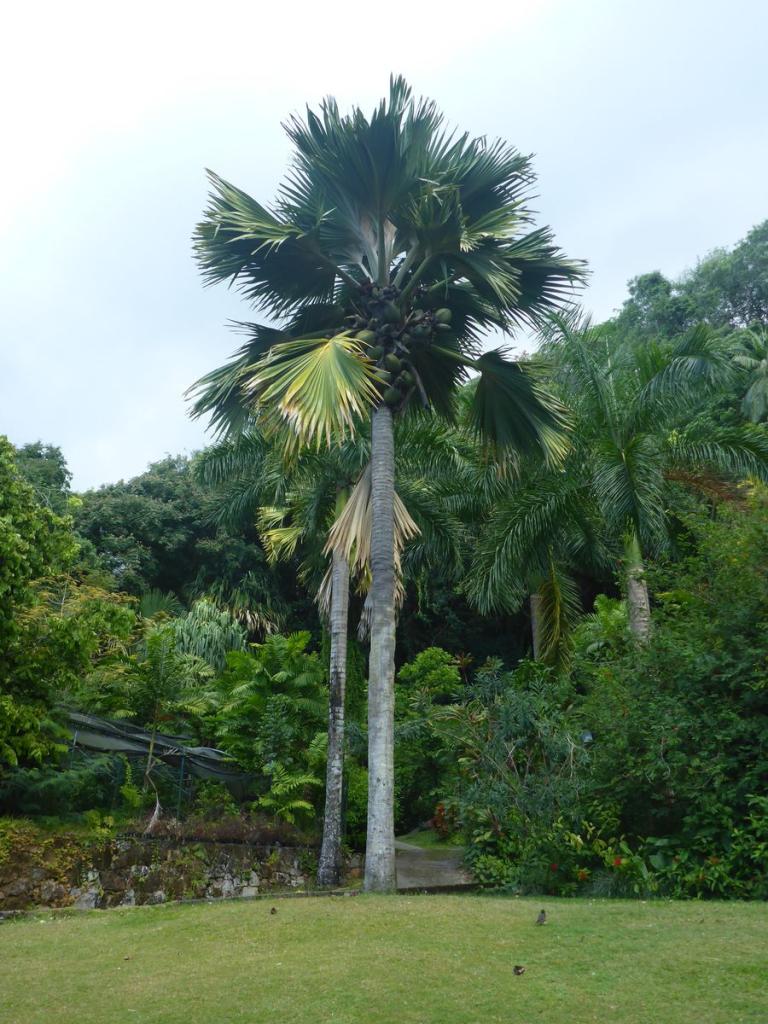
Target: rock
x,y
113,881
51,891
17,887
152,879
128,854
130,872
87,899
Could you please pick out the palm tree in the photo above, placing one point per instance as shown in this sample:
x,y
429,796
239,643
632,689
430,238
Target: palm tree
x,y
541,527
642,423
391,247
751,355
324,511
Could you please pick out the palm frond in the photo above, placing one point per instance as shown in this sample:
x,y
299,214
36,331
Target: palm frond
x,y
516,541
737,452
629,486
276,264
220,393
696,364
513,410
350,534
321,388
559,610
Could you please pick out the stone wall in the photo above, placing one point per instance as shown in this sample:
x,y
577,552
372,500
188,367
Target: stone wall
x,y
132,871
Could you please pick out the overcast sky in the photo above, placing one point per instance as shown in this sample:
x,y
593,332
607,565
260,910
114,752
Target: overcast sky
x,y
647,120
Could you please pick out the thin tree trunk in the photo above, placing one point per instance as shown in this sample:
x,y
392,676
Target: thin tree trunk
x,y
535,602
638,602
148,781
148,769
330,866
380,845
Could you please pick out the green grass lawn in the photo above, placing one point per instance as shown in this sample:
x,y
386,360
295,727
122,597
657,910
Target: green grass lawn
x,y
414,959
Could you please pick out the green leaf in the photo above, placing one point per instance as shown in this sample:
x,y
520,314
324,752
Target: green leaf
x,y
511,409
321,389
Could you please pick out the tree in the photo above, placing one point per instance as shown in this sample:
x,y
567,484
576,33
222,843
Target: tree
x,y
34,542
655,308
642,424
157,532
751,355
540,529
45,468
322,509
731,288
725,289
392,246
55,623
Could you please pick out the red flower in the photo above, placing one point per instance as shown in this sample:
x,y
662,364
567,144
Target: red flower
x,y
553,867
618,861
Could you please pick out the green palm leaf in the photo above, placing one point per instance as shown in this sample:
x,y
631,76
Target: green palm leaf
x,y
321,389
513,410
559,610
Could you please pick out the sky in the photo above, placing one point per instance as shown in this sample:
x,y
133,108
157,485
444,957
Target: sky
x,y
647,120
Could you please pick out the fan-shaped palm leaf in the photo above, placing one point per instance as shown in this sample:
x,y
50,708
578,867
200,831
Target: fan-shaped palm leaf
x,y
322,389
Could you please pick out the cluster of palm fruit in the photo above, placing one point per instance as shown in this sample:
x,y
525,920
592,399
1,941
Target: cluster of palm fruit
x,y
388,333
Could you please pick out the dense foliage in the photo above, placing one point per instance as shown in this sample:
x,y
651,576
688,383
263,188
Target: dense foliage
x,y
617,760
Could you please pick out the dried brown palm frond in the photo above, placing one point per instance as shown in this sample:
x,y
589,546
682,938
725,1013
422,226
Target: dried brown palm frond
x,y
351,535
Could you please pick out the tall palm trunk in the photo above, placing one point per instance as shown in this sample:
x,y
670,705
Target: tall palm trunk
x,y
535,603
330,866
380,844
638,602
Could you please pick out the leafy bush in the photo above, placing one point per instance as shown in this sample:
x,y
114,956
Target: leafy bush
x,y
520,772
356,803
680,727
286,798
422,757
213,801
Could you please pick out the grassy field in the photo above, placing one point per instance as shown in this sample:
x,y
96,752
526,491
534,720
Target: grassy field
x,y
404,959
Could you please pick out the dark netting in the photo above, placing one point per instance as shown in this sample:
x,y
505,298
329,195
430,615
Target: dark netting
x,y
117,737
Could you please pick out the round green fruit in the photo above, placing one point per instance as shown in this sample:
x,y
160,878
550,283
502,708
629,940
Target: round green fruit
x,y
375,352
391,313
392,397
392,362
407,378
367,337
443,316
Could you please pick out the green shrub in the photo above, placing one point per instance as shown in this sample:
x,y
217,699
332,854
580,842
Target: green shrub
x,y
213,801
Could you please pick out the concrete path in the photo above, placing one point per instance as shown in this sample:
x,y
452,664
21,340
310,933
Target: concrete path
x,y
426,869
